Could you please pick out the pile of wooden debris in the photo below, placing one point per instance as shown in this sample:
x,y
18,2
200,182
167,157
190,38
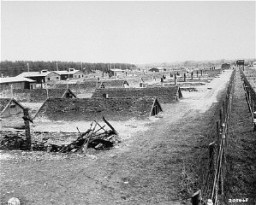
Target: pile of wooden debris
x,y
97,136
13,141
100,138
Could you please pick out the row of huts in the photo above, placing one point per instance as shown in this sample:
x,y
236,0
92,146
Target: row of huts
x,y
114,103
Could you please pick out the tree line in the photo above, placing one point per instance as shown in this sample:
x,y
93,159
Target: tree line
x,y
14,68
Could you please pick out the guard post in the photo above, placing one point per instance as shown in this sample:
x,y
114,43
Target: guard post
x,y
240,64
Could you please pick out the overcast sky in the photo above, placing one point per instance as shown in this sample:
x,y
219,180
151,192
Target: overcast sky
x,y
129,32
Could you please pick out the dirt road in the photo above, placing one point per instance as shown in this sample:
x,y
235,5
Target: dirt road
x,y
155,166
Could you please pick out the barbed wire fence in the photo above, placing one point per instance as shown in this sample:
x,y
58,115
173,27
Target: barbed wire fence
x,y
250,96
212,189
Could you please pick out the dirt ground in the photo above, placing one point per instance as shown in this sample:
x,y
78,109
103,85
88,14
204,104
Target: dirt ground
x,y
156,162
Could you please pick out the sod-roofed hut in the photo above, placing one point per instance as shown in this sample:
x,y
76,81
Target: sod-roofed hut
x,y
114,84
10,107
40,95
163,94
88,109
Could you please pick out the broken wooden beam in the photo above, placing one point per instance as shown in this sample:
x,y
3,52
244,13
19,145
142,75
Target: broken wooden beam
x,y
111,127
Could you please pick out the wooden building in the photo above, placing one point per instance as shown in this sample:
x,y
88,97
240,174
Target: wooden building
x,y
71,73
52,77
117,72
39,77
16,83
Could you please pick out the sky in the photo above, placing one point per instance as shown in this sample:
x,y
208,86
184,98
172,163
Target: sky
x,y
127,31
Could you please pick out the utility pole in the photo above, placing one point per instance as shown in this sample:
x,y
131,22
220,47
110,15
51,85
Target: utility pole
x,y
28,66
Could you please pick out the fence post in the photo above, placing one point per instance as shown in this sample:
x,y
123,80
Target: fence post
x,y
211,159
252,104
249,101
220,117
254,121
224,110
175,79
11,91
218,132
246,97
26,119
223,138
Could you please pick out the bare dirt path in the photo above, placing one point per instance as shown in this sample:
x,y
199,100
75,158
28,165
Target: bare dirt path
x,y
147,168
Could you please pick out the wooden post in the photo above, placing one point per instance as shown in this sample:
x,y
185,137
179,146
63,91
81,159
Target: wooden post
x,y
252,106
221,179
175,79
220,116
218,131
223,108
47,93
11,91
249,102
254,121
211,158
192,75
227,105
26,119
201,72
184,77
197,73
223,130
220,185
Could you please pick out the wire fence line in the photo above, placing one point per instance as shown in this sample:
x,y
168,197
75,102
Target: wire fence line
x,y
250,96
213,185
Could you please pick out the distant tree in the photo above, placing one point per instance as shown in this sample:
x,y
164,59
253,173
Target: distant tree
x,y
13,68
